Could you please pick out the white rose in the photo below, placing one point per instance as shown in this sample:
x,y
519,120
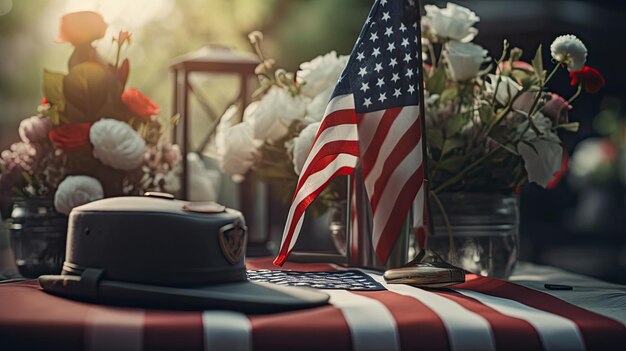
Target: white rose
x,y
453,22
569,50
75,191
238,151
542,164
315,110
302,145
117,144
507,88
203,182
464,59
321,73
275,113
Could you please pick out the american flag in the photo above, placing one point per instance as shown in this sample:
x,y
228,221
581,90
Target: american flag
x,y
372,119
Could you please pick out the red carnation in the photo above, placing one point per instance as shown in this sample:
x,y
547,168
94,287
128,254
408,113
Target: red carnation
x,y
139,104
589,77
70,136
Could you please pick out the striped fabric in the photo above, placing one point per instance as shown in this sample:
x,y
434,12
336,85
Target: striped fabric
x,y
482,314
372,119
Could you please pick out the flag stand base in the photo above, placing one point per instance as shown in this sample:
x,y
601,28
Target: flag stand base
x,y
427,270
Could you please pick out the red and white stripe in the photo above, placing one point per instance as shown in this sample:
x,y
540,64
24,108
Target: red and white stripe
x,y
390,149
334,152
482,314
392,160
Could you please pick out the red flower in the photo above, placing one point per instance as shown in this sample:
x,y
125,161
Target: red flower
x,y
589,77
81,27
70,136
559,175
139,104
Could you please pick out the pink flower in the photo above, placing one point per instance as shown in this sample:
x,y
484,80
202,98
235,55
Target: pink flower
x,y
171,154
506,66
556,108
35,129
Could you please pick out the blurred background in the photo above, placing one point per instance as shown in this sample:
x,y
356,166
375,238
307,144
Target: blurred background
x,y
580,225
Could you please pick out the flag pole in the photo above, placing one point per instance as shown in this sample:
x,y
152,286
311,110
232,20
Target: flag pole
x,y
427,269
422,111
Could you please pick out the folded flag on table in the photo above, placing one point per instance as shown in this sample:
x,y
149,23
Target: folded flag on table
x,y
372,119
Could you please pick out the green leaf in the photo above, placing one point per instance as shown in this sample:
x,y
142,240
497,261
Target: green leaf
x,y
437,81
451,164
451,144
82,53
54,115
537,63
448,94
486,114
570,127
508,147
434,138
53,88
91,91
520,75
454,125
515,54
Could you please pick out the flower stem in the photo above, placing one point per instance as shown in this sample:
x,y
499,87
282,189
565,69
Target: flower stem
x,y
464,171
578,90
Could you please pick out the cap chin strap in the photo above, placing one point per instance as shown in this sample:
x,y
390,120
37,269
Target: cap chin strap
x,y
189,278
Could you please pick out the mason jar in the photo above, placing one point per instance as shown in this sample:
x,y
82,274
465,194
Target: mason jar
x,y
38,236
477,231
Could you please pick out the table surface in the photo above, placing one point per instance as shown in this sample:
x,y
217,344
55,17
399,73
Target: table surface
x,y
482,314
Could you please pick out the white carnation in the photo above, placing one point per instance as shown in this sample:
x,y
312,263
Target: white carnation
x,y
315,110
275,113
321,73
569,50
75,191
302,145
117,144
464,59
453,22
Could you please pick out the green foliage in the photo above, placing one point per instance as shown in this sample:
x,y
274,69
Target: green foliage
x,y
537,63
92,91
437,81
473,133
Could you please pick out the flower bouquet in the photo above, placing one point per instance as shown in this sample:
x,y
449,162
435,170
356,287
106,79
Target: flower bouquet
x,y
92,137
273,135
492,126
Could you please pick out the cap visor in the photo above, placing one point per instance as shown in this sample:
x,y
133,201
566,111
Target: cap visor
x,y
247,297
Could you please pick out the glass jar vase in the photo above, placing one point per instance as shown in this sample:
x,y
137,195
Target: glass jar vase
x,y
38,235
477,231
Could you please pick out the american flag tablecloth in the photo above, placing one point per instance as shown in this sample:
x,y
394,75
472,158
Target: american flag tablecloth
x,y
482,314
